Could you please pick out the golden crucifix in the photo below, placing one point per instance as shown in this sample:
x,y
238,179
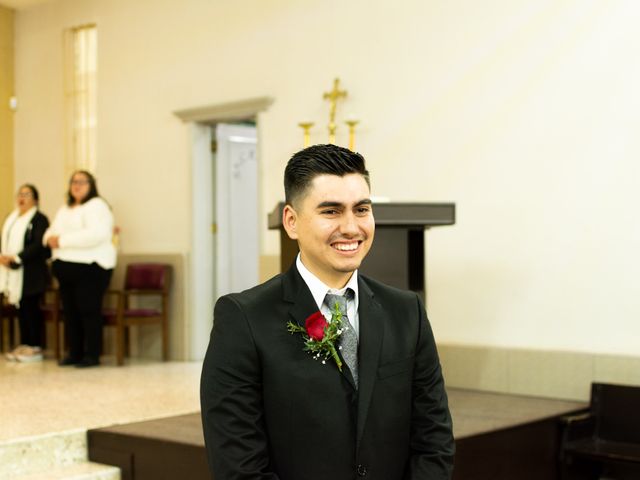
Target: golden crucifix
x,y
333,96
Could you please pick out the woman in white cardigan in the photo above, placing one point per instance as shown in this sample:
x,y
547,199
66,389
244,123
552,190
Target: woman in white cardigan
x,y
84,256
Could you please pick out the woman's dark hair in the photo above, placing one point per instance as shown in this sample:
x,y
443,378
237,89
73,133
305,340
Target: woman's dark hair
x,y
93,188
34,191
328,159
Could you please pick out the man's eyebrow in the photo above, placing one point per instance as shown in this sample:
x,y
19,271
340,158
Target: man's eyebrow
x,y
330,204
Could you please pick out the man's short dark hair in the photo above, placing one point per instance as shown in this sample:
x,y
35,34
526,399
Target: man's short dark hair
x,y
328,159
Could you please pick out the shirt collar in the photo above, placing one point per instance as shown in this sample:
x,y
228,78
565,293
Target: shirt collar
x,y
319,289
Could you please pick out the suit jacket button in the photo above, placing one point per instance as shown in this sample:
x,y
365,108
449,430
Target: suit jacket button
x,y
362,470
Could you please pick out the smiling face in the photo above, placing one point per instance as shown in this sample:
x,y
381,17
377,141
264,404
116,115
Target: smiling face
x,y
334,226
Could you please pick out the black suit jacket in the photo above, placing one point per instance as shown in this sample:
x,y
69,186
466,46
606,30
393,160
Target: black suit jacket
x,y
34,257
270,411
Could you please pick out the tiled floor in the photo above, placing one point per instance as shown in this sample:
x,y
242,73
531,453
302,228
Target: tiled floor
x,y
41,398
44,398
45,410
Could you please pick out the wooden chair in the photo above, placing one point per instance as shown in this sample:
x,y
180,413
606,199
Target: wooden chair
x,y
52,312
142,280
8,315
605,442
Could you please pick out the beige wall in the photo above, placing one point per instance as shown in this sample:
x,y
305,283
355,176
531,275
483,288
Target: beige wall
x,y
542,373
6,115
523,113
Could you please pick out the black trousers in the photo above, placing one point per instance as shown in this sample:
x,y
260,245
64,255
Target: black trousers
x,y
30,317
82,288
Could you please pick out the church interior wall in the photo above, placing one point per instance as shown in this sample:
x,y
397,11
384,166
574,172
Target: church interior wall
x,y
6,115
522,113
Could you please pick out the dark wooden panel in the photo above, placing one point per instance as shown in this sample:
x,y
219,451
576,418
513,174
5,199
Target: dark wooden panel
x,y
526,452
117,456
397,256
388,259
606,441
163,449
498,437
423,215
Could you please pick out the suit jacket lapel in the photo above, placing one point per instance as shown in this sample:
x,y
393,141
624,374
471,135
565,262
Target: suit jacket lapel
x,y
371,321
297,292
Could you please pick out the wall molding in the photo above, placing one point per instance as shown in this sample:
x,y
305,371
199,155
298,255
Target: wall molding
x,y
541,373
237,110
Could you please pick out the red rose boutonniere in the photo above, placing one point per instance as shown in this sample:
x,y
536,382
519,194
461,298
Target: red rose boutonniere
x,y
320,336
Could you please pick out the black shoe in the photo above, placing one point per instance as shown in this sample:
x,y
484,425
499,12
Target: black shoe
x,y
88,362
66,361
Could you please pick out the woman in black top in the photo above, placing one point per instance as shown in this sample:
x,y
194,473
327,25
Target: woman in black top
x,y
23,270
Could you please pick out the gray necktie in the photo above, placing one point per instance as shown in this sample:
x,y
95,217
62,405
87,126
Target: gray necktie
x,y
348,341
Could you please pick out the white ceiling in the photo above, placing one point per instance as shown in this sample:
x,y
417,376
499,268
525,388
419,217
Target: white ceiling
x,y
21,4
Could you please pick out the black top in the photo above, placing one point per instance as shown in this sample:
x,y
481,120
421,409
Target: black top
x,y
34,257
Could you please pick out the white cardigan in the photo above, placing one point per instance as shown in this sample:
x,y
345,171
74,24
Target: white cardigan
x,y
85,233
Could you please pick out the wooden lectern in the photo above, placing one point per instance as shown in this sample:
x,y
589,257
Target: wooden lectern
x,y
397,254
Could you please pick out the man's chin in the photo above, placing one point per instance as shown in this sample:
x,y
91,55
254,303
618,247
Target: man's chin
x,y
348,267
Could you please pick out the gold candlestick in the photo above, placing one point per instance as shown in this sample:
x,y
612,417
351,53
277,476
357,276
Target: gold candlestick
x,y
306,126
352,133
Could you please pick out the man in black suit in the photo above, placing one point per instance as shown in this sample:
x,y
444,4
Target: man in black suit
x,y
377,408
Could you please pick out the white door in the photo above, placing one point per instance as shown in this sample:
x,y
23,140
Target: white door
x,y
236,209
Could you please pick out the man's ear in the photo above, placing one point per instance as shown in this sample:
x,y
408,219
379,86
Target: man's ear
x,y
290,221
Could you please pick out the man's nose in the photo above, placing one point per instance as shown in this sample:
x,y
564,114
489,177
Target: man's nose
x,y
349,224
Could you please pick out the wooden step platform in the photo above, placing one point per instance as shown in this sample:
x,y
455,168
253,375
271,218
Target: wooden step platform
x,y
498,437
167,448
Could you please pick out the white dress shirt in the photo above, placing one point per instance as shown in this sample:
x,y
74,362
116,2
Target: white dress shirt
x,y
319,290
